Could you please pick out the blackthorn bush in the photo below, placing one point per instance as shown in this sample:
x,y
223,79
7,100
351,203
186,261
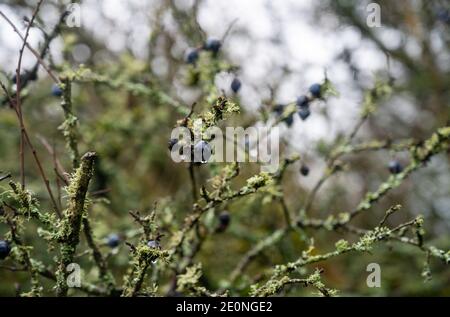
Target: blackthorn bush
x,y
87,178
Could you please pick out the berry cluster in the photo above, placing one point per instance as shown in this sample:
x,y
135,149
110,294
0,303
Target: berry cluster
x,y
211,45
25,77
32,76
302,103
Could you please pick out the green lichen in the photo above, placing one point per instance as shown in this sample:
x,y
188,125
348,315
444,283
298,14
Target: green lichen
x,y
69,229
221,109
341,245
256,182
372,98
189,282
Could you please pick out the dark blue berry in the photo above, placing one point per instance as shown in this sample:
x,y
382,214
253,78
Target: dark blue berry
x,y
192,56
289,120
224,221
236,85
224,218
395,167
23,78
304,113
172,143
56,90
154,244
32,76
304,170
302,101
212,45
316,90
444,15
5,249
202,152
113,240
278,109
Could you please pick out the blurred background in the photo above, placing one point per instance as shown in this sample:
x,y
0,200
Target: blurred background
x,y
278,48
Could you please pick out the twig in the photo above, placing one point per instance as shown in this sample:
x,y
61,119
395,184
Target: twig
x,y
18,100
100,261
58,168
193,183
24,257
389,212
227,32
2,178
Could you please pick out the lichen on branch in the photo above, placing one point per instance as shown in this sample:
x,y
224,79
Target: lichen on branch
x,y
70,227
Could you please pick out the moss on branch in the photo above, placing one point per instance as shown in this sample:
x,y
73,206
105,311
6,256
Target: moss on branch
x,y
69,233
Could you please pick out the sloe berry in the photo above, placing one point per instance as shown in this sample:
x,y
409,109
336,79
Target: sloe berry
x,y
56,90
395,167
304,113
212,45
236,85
304,170
192,56
5,249
316,90
172,143
302,101
113,240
